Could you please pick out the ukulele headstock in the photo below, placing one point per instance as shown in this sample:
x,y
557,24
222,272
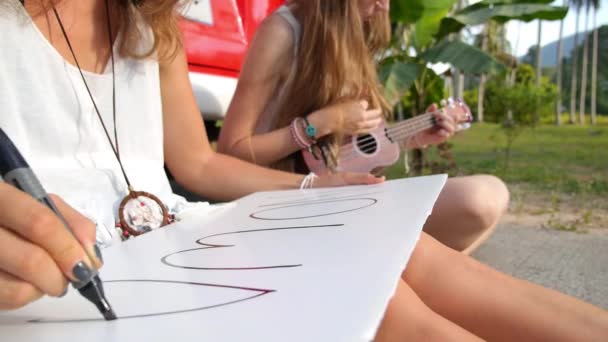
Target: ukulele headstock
x,y
460,111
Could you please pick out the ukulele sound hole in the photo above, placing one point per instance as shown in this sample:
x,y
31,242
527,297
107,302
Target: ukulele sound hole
x,y
367,144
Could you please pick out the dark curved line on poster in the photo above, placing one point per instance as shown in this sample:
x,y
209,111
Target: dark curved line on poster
x,y
318,193
262,292
165,261
199,241
205,246
254,215
318,199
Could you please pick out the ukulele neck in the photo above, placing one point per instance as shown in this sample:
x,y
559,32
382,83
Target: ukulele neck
x,y
408,128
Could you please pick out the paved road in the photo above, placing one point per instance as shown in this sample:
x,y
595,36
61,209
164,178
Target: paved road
x,y
573,263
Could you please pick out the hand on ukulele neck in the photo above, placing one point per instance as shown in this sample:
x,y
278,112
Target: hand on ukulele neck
x,y
454,116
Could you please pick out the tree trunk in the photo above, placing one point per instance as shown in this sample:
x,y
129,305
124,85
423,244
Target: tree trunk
x,y
418,161
480,96
539,67
510,83
455,79
560,56
583,99
458,84
458,75
482,79
449,85
513,72
574,72
594,71
400,114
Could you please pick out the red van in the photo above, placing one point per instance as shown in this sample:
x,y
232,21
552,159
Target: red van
x,y
216,35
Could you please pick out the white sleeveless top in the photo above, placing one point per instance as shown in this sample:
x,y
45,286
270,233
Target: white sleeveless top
x,y
47,112
267,119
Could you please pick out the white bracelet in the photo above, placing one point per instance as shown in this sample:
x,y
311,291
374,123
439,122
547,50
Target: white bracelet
x,y
308,181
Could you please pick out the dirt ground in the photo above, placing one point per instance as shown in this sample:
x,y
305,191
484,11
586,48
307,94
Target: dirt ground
x,y
578,212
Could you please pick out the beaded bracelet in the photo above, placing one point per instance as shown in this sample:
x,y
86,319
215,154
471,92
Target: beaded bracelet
x,y
310,130
295,135
307,129
308,142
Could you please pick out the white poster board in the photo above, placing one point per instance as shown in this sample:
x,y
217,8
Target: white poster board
x,y
315,265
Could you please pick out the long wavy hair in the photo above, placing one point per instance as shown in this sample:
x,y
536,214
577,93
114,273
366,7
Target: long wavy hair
x,y
160,15
335,63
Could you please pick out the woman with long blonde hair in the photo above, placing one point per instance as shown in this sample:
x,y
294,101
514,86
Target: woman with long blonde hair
x,y
313,60
68,67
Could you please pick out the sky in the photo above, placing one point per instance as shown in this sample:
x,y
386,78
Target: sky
x,y
550,29
527,32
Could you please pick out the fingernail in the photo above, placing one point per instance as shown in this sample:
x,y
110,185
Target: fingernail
x,y
82,272
98,253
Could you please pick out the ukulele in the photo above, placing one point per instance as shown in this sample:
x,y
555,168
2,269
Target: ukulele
x,y
381,147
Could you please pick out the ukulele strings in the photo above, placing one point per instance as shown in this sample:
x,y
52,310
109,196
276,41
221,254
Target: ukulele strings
x,y
371,144
402,132
399,127
397,132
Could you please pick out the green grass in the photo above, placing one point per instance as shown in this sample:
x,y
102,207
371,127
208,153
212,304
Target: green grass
x,y
568,159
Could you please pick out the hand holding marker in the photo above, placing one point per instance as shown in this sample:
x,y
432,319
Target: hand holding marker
x,y
15,171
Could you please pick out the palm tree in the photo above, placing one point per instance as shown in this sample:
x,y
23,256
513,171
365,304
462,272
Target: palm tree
x,y
538,63
511,76
432,38
578,4
596,6
560,55
482,78
459,75
585,61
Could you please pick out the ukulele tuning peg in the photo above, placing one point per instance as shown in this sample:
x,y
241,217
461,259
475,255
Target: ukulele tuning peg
x,y
443,103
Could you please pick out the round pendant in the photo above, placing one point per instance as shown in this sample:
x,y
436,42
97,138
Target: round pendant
x,y
141,212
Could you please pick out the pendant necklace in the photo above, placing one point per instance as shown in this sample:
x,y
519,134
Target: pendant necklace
x,y
139,212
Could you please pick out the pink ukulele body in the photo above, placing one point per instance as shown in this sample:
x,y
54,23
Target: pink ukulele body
x,y
363,156
380,148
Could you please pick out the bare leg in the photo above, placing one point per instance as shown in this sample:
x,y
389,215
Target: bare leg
x,y
495,306
467,211
407,318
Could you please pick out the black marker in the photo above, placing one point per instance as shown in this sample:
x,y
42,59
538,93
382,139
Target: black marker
x,y
15,171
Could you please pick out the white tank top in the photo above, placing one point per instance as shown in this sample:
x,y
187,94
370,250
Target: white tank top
x,y
47,112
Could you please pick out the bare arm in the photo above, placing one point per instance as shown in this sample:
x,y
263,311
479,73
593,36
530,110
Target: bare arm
x,y
265,67
268,62
188,154
196,166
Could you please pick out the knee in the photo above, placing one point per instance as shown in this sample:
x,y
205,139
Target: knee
x,y
407,318
486,201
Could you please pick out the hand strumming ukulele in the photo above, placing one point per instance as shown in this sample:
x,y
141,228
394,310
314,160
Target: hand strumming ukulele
x,y
381,147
